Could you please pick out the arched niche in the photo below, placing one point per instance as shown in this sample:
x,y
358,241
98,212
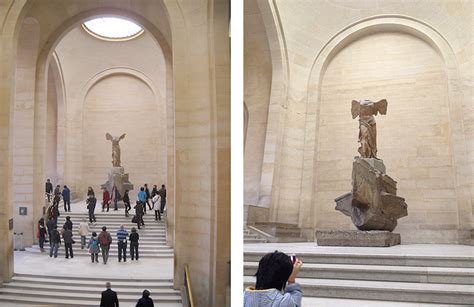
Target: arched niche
x,y
144,148
360,29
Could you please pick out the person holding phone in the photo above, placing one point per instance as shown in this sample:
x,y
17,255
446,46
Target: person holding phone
x,y
276,282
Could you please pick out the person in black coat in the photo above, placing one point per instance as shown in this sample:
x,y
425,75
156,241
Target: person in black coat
x,y
148,196
109,297
139,213
48,189
126,201
68,223
145,301
91,202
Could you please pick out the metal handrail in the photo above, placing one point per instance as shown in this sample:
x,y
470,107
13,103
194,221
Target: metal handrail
x,y
187,286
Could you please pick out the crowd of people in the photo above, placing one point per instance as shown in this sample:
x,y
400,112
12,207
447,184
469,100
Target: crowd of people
x,y
101,242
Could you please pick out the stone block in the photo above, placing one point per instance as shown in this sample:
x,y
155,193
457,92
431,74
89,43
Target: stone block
x,y
372,204
373,238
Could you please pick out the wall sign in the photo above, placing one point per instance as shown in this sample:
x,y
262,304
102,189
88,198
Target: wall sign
x,y
23,210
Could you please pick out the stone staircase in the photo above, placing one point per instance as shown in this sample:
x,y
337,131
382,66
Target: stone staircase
x,y
57,288
152,235
251,237
406,278
81,291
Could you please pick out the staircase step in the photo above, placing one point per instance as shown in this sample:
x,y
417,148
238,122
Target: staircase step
x,y
39,294
380,273
118,281
52,301
383,290
377,259
130,290
112,253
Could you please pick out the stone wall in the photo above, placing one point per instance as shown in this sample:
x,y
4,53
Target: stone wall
x,y
416,53
193,36
126,79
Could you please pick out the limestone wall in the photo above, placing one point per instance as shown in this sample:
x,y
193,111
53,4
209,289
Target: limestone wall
x,y
412,139
117,87
257,83
193,36
415,52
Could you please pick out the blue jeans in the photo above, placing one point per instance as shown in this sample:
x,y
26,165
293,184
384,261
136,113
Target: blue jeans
x,y
83,241
122,250
54,249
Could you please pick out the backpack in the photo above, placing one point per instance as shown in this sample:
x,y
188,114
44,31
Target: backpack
x,y
94,244
103,240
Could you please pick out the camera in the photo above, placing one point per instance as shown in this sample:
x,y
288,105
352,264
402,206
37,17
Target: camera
x,y
293,258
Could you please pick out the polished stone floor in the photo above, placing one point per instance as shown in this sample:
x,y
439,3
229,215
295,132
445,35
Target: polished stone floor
x,y
41,264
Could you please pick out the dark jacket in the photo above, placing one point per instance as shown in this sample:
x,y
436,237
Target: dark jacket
x,y
134,237
126,198
90,192
109,299
50,224
66,194
55,236
57,191
48,187
67,236
68,225
162,193
139,209
91,202
145,302
147,192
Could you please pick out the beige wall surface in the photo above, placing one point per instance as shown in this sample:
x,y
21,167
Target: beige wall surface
x,y
257,83
127,79
121,104
189,76
412,139
413,53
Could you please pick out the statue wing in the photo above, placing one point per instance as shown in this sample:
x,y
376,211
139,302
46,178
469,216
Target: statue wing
x,y
108,137
381,106
355,110
122,136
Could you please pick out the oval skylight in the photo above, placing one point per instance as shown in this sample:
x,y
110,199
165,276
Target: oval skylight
x,y
112,28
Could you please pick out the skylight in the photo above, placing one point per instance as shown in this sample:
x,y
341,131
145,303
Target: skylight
x,y
112,28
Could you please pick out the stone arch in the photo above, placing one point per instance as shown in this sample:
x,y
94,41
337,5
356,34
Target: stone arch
x,y
278,99
55,75
349,34
62,108
42,70
11,30
86,89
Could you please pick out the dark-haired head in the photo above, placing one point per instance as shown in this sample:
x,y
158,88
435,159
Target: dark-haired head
x,y
274,269
146,293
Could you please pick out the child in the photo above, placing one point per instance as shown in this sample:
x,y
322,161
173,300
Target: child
x,y
94,247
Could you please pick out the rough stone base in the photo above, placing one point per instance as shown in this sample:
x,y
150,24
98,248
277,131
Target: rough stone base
x,y
373,238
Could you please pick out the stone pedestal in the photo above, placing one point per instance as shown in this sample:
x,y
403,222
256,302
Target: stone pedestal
x,y
118,178
371,238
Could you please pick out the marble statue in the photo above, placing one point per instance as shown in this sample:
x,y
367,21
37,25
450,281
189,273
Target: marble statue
x,y
373,203
115,148
366,109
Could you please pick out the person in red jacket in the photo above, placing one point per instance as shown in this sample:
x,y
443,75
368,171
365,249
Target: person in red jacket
x,y
105,200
